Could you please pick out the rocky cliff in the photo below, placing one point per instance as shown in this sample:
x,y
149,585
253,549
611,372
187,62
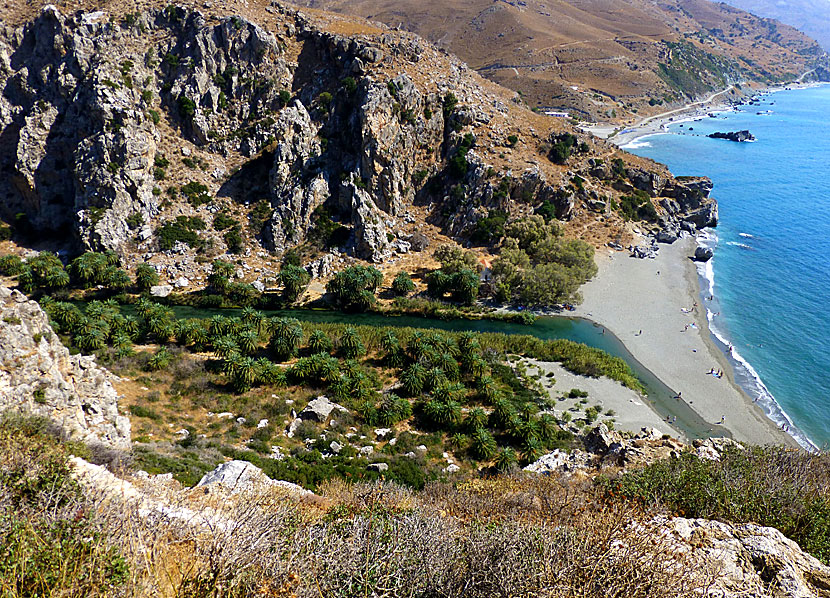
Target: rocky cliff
x,y
40,377
117,124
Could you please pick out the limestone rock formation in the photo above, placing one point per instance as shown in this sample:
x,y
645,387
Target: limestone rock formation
x,y
240,476
751,560
39,376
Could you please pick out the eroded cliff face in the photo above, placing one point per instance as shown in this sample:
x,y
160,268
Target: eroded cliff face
x,y
309,113
38,376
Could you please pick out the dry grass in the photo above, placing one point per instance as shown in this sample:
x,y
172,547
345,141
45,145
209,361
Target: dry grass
x,y
512,537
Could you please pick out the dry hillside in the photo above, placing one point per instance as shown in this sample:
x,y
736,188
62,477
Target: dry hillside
x,y
602,59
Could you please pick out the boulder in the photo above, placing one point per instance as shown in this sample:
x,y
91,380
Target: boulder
x,y
161,290
419,242
238,476
703,254
381,467
667,236
319,409
560,461
600,439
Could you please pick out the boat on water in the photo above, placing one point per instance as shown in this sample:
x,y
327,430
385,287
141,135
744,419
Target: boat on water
x,y
764,112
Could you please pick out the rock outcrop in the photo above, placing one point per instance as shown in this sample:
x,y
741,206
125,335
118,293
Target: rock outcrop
x,y
750,560
737,136
101,111
240,476
40,377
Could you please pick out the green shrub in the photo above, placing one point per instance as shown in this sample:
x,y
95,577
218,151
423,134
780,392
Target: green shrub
x,y
353,289
234,239
196,193
771,486
183,229
491,228
402,285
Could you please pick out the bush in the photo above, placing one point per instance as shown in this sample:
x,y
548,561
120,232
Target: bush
x,y
491,228
196,193
770,486
222,221
637,206
182,229
353,289
50,543
234,240
562,148
294,281
402,285
537,266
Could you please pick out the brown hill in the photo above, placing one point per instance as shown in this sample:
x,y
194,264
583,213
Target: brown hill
x,y
630,55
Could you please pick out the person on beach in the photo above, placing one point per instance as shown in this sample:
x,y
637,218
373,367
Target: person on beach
x,y
679,395
722,419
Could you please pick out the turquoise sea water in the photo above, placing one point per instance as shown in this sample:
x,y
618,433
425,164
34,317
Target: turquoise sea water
x,y
770,276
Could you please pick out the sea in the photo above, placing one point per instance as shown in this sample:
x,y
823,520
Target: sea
x,y
769,280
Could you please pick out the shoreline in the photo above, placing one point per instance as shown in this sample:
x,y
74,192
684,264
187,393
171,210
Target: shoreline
x,y
658,123
645,311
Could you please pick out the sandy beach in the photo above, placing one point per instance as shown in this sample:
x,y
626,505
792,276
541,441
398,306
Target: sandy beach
x,y
621,406
642,302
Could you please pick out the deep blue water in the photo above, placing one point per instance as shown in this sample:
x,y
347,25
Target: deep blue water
x,y
771,269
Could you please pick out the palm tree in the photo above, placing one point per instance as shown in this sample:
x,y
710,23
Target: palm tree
x,y
487,389
267,372
448,363
468,344
146,276
325,367
449,392
160,360
287,335
340,389
413,378
230,363
505,458
93,339
224,346
244,375
368,412
547,427
248,341
483,445
459,441
523,430
218,325
160,328
389,341
502,414
476,418
531,450
122,344
319,342
434,378
350,344
476,366
417,346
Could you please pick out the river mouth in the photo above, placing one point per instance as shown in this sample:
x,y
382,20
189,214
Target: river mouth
x,y
659,396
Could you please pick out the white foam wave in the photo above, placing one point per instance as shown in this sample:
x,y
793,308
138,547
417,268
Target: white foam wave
x,y
747,376
637,144
741,245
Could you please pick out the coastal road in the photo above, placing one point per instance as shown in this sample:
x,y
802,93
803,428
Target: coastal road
x,y
685,108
